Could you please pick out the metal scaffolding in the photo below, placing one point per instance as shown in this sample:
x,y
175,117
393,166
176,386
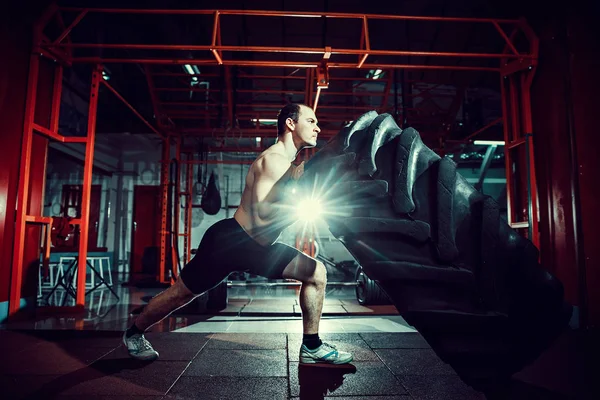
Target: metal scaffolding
x,y
314,77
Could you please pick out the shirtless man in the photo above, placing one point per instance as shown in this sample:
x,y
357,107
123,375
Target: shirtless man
x,y
247,242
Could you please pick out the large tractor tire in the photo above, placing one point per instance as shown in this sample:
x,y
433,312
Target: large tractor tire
x,y
453,268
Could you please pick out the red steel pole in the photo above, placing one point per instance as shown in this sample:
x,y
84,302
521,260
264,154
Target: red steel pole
x,y
23,196
87,186
133,109
164,181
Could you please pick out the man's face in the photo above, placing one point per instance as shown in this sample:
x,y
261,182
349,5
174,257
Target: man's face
x,y
306,129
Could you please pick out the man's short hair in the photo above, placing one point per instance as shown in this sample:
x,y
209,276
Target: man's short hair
x,y
291,110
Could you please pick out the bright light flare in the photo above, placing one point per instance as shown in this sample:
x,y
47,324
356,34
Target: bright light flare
x,y
309,210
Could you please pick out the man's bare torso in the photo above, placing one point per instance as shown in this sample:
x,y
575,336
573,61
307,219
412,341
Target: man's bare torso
x,y
262,213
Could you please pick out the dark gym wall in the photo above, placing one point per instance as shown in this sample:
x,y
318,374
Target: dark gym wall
x,y
564,113
15,39
15,46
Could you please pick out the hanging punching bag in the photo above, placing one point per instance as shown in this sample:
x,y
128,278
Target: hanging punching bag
x,y
211,199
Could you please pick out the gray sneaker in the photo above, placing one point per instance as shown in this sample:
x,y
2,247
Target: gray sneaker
x,y
325,353
139,348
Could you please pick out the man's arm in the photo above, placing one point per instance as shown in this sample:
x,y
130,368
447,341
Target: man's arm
x,y
271,173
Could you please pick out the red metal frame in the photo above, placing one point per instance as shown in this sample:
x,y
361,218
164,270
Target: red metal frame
x,y
176,208
187,235
165,182
216,48
318,57
60,48
87,185
23,196
518,131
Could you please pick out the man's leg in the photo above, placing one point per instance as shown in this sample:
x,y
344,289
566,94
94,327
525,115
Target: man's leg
x,y
313,275
157,309
164,304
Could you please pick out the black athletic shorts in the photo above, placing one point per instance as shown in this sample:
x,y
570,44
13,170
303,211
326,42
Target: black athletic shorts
x,y
225,248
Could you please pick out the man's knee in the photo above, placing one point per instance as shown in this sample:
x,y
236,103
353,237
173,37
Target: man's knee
x,y
319,278
181,293
306,270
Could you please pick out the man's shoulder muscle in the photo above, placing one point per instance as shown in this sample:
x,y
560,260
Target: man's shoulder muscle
x,y
272,165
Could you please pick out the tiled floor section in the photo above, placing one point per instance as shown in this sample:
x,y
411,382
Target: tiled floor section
x,y
250,351
44,364
40,364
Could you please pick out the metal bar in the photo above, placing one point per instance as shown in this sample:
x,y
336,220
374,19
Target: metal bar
x,y
515,143
533,207
36,219
61,24
276,64
217,162
186,104
165,181
64,59
69,139
277,49
514,139
516,128
176,205
133,109
308,86
47,132
56,96
138,11
23,191
519,225
41,23
364,37
152,89
278,77
47,248
249,132
214,45
265,113
215,26
507,156
87,186
185,74
302,14
188,211
361,41
530,217
506,38
66,32
219,43
229,96
516,133
485,164
316,102
270,91
275,284
234,149
357,94
328,106
478,131
169,89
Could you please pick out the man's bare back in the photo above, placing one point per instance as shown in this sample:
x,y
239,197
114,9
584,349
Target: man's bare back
x,y
262,212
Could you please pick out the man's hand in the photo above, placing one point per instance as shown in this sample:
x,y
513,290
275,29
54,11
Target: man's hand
x,y
298,171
